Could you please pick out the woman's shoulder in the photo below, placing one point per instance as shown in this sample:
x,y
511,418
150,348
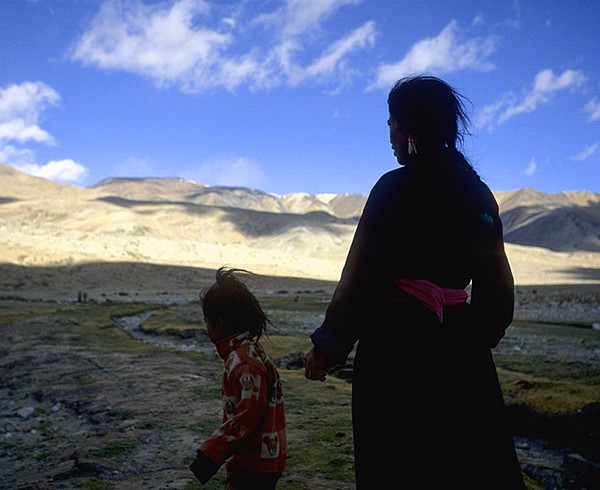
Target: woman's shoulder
x,y
468,186
392,175
483,194
390,181
385,190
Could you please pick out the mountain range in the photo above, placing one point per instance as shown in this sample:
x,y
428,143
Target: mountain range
x,y
567,221
162,220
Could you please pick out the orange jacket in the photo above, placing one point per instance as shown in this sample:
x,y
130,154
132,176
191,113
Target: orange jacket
x,y
252,436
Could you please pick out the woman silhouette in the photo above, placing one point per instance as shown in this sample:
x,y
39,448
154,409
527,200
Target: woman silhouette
x,y
428,412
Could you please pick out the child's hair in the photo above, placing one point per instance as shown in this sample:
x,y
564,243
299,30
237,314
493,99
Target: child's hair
x,y
230,306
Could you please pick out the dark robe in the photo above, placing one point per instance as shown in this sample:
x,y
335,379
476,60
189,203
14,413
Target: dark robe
x,y
428,412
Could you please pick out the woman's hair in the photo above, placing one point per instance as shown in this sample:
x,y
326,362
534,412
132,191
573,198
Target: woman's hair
x,y
430,110
231,307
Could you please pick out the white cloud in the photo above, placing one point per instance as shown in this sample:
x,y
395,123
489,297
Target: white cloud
x,y
335,55
587,152
236,172
164,44
488,116
15,157
20,110
297,17
478,20
62,170
450,51
182,43
515,21
531,168
21,107
545,86
543,90
593,107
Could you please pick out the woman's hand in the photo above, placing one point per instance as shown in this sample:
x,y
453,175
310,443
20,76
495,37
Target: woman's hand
x,y
314,365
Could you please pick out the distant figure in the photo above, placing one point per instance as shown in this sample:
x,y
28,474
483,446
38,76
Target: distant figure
x,y
427,410
252,439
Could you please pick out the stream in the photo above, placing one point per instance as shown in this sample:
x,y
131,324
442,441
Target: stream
x,y
132,324
542,460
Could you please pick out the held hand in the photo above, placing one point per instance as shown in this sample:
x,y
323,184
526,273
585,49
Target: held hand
x,y
314,365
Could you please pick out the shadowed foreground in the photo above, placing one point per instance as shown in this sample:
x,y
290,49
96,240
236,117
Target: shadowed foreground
x,y
87,404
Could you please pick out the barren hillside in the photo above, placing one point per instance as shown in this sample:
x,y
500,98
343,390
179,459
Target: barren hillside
x,y
178,190
174,222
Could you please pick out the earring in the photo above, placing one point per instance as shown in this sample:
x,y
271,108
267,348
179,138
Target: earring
x,y
412,145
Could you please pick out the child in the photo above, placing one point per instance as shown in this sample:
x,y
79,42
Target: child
x,y
252,439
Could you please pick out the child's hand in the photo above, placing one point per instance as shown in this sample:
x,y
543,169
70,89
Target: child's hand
x,y
314,367
203,467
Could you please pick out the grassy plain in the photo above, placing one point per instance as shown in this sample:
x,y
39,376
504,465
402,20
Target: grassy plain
x,y
108,410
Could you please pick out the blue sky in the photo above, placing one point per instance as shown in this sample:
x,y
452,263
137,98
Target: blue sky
x,y
290,95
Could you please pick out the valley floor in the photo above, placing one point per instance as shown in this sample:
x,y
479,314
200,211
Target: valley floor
x,y
85,403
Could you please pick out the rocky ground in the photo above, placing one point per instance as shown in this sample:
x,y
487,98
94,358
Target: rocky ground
x,y
83,404
86,407
568,304
62,406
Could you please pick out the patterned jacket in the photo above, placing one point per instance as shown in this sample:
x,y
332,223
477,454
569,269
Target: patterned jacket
x,y
252,436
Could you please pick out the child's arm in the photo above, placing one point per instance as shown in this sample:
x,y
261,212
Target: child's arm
x,y
248,386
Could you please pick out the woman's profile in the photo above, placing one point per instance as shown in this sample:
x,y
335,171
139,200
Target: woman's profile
x,y
428,412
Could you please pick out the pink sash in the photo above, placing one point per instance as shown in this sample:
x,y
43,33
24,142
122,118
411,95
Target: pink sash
x,y
431,295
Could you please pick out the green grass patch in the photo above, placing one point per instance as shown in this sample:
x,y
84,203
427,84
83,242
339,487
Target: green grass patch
x,y
204,392
112,449
94,484
302,303
174,319
88,325
545,394
319,426
556,369
217,482
531,484
295,314
289,313
319,414
549,368
555,351
282,345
